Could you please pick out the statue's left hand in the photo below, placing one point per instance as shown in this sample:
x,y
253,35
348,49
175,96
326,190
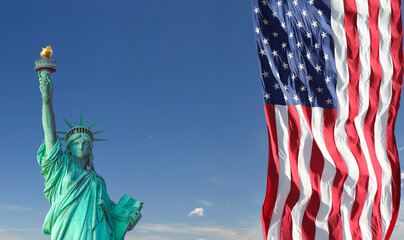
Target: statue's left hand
x,y
134,218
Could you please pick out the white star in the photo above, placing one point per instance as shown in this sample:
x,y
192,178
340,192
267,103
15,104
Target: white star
x,y
314,24
299,44
256,10
283,25
311,2
325,57
299,24
265,74
295,2
296,98
316,45
262,52
308,35
264,2
324,34
290,55
293,77
285,66
286,98
308,55
304,13
275,34
283,45
266,22
301,66
327,79
291,35
303,88
274,14
279,3
319,90
275,53
310,99
320,12
287,87
318,68
289,13
257,30
276,86
265,41
329,101
309,77
267,95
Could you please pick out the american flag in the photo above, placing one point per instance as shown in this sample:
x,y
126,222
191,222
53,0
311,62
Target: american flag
x,y
332,74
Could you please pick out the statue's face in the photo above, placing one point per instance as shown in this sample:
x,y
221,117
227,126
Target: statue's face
x,y
80,149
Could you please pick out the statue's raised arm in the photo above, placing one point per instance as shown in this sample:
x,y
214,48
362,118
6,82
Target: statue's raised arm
x,y
45,67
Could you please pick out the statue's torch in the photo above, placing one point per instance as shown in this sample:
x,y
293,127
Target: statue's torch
x,y
45,66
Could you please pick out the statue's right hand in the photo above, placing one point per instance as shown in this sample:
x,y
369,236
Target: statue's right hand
x,y
46,88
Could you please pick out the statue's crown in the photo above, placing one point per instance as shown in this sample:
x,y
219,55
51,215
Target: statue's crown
x,y
82,130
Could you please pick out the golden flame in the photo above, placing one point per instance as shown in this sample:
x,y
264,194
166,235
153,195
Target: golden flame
x,y
47,52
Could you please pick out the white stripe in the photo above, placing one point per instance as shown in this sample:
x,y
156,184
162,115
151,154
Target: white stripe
x,y
306,142
327,176
365,219
340,52
282,130
382,113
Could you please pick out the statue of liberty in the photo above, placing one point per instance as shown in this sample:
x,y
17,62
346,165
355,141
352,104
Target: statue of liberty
x,y
80,208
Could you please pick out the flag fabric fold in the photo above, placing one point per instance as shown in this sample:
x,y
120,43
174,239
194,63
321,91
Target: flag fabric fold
x,y
332,72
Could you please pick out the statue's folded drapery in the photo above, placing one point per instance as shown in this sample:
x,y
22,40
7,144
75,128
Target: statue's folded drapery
x,y
80,206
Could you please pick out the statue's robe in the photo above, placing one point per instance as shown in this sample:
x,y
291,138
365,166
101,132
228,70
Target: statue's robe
x,y
80,206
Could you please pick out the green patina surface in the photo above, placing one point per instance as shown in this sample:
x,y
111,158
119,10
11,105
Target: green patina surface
x,y
80,207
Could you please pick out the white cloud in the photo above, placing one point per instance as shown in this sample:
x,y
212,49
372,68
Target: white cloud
x,y
5,237
196,212
400,148
398,231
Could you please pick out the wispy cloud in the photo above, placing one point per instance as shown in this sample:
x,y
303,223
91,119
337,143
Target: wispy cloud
x,y
204,202
14,207
400,148
15,230
187,231
196,212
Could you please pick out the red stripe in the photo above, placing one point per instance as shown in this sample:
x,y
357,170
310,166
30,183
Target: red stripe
x,y
316,170
335,221
294,193
369,124
350,20
397,81
273,170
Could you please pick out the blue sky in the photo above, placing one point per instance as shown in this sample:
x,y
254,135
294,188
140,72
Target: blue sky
x,y
176,84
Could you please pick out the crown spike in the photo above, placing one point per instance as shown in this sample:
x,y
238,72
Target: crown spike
x,y
81,119
98,132
68,124
89,127
99,139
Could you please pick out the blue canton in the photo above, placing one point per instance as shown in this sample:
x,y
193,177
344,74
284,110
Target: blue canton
x,y
296,52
